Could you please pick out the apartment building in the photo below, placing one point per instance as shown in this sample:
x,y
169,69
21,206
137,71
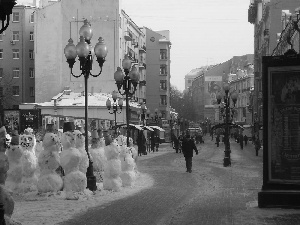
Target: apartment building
x,y
158,63
17,59
269,18
133,44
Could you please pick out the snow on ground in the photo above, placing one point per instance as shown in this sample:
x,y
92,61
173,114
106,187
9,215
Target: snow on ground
x,y
50,209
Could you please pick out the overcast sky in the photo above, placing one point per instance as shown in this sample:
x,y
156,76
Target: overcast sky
x,y
203,32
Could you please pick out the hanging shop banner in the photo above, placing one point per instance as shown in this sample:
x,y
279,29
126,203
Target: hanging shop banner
x,y
282,119
12,120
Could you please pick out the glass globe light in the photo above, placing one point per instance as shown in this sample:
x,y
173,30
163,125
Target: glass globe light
x,y
82,48
70,50
86,31
126,63
118,75
108,103
134,75
120,102
100,48
226,87
114,95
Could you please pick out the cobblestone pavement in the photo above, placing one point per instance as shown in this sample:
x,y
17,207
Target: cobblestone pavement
x,y
211,194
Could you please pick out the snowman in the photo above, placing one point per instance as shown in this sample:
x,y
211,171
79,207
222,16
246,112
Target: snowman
x,y
112,169
70,157
80,145
97,152
128,175
7,200
49,161
29,161
14,154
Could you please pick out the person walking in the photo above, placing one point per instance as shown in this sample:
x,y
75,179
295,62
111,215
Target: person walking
x,y
176,143
188,148
257,145
218,140
245,139
241,141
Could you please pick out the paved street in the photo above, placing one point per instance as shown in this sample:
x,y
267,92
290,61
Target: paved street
x,y
211,194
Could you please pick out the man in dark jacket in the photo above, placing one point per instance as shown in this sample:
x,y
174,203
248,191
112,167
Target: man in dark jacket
x,y
188,147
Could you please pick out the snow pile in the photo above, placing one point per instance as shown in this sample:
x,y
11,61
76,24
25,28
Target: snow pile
x,y
29,162
112,169
49,161
97,154
128,175
70,158
80,145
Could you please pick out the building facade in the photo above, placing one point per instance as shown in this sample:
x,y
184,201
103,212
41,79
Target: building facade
x,y
269,18
17,71
158,71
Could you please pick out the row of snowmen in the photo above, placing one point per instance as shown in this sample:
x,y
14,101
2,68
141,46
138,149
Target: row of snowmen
x,y
34,166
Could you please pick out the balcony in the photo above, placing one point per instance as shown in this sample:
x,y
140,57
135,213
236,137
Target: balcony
x,y
252,13
141,65
128,36
143,49
142,83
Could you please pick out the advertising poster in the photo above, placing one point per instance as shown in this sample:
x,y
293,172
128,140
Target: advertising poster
x,y
212,85
11,120
284,124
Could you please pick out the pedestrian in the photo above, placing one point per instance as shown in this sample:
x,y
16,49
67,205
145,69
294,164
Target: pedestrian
x,y
218,140
188,148
245,139
141,142
257,145
241,141
176,144
152,141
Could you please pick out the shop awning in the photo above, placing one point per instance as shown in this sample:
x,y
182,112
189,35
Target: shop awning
x,y
157,128
131,126
145,127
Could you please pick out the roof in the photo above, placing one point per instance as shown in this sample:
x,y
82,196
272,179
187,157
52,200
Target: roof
x,y
74,99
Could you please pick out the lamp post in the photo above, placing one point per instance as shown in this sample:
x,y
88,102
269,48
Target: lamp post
x,y
143,113
85,52
156,116
128,83
6,7
228,111
115,108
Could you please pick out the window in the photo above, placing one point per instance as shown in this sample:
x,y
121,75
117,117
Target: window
x,y
16,17
163,100
163,85
189,81
16,54
31,19
31,36
15,36
15,90
1,72
31,72
163,69
31,90
1,53
31,54
163,54
16,72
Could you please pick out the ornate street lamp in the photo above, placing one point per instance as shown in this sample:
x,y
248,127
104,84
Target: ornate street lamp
x,y
143,113
156,116
128,83
6,7
228,112
114,106
85,52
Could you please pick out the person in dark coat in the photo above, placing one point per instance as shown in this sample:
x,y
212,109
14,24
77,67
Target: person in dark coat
x,y
188,148
257,146
218,140
245,139
176,143
141,142
241,141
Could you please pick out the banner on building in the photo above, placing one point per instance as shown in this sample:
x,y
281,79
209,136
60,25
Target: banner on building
x,y
212,85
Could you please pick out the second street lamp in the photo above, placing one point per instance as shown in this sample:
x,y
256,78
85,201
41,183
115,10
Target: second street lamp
x,y
115,108
156,116
128,83
143,113
85,51
228,116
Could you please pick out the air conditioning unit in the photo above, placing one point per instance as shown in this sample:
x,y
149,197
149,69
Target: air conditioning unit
x,y
12,42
